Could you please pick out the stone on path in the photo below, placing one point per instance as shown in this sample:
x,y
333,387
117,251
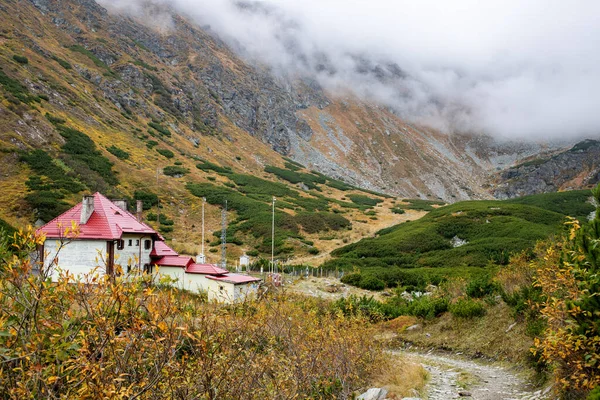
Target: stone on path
x,y
373,394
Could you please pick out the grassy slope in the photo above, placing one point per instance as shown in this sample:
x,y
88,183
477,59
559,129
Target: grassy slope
x,y
493,230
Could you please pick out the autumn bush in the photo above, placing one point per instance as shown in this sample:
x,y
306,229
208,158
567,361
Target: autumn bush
x,y
132,337
569,281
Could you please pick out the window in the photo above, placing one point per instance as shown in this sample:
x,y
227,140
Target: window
x,y
148,268
221,288
137,243
120,244
147,244
130,242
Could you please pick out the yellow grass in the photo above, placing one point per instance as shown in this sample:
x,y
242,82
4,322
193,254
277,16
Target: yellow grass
x,y
402,378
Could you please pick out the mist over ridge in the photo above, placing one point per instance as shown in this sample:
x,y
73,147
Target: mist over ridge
x,y
510,69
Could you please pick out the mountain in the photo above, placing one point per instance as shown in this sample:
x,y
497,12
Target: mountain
x,y
99,101
94,102
577,167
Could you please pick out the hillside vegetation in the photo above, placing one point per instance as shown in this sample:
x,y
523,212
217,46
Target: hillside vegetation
x,y
462,239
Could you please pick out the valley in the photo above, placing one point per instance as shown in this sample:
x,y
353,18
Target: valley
x,y
389,234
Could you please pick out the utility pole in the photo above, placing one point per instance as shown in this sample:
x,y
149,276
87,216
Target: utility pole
x,y
273,239
157,200
202,251
224,237
202,257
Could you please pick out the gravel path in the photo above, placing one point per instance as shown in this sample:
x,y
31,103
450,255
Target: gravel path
x,y
485,381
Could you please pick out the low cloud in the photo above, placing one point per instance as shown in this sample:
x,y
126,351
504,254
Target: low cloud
x,y
508,68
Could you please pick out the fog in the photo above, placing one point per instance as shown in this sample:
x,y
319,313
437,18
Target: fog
x,y
515,69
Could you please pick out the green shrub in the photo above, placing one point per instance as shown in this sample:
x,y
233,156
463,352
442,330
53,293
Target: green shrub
x,y
208,166
428,306
292,176
54,120
467,308
175,170
594,394
339,185
481,287
252,253
149,199
159,128
143,64
313,251
353,278
82,150
421,205
369,282
99,63
363,306
117,152
165,229
48,204
151,144
398,210
62,62
364,200
14,87
20,59
166,153
253,185
318,222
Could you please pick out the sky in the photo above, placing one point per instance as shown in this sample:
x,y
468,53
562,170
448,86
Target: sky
x,y
513,69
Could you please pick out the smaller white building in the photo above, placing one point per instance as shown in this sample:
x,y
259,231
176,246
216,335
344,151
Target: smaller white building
x,y
244,261
218,283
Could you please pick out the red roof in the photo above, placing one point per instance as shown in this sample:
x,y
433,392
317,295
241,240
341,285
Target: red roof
x,y
107,222
174,261
161,249
205,269
234,278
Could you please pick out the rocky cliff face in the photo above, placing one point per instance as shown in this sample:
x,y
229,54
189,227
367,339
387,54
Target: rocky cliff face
x,y
128,71
578,167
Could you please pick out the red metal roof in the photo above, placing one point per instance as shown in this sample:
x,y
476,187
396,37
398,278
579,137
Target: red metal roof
x,y
234,278
174,261
161,249
107,222
205,269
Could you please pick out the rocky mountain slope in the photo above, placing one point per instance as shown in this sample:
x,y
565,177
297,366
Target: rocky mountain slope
x,y
578,167
92,100
186,77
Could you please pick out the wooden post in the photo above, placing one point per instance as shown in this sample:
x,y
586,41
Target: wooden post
x,y
110,263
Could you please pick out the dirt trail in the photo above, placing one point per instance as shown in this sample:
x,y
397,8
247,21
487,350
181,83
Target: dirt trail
x,y
449,374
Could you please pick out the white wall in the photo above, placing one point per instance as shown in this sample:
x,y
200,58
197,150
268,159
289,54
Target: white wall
x,y
82,256
175,273
246,291
131,254
78,256
223,292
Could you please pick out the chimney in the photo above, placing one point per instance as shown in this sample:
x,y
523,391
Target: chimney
x,y
122,204
87,208
139,208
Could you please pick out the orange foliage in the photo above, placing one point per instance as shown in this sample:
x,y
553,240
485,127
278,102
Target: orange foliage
x,y
131,338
